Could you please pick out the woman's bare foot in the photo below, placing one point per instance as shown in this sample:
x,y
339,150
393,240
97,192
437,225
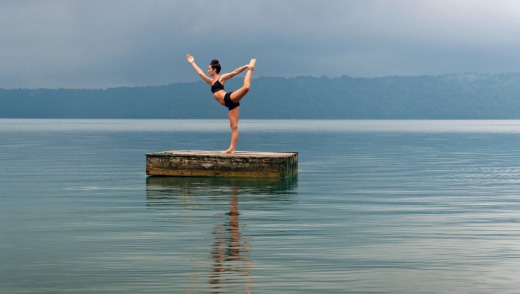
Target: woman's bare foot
x,y
252,64
229,151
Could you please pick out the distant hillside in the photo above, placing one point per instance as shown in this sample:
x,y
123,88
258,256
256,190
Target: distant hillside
x,y
453,96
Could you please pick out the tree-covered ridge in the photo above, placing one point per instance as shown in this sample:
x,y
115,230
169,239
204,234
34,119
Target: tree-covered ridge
x,y
451,96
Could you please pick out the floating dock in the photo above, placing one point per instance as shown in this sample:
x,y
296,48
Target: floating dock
x,y
197,163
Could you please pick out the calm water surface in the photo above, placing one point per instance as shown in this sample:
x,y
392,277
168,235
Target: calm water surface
x,y
377,207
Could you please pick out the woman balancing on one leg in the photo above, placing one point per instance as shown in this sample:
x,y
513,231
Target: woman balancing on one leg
x,y
230,99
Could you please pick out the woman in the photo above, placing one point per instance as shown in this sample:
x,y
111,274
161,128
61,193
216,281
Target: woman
x,y
229,99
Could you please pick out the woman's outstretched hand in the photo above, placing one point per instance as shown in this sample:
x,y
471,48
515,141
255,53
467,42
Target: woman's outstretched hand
x,y
190,58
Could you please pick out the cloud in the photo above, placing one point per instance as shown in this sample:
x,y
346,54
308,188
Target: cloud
x,y
93,43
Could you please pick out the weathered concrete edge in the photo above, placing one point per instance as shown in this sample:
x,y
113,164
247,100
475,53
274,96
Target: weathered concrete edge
x,y
286,163
215,154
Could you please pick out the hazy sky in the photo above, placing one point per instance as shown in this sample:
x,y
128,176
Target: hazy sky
x,y
110,43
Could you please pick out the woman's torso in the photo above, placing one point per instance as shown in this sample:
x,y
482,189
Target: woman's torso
x,y
218,91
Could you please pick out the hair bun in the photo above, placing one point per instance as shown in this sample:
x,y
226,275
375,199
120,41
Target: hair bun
x,y
214,64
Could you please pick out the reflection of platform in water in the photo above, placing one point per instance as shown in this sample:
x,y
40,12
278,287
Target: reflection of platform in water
x,y
156,186
196,163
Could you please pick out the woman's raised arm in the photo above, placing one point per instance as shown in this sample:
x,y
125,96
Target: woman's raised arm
x,y
229,75
199,71
250,66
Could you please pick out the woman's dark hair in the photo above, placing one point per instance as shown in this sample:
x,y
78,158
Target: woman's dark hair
x,y
215,65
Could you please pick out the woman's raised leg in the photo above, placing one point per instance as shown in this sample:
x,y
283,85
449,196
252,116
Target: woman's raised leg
x,y
240,93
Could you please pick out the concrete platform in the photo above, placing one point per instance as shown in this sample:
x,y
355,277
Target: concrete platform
x,y
198,163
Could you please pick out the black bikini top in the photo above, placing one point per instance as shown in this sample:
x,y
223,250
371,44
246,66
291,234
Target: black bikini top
x,y
217,86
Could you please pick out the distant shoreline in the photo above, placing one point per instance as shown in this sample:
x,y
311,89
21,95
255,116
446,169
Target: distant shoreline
x,y
450,96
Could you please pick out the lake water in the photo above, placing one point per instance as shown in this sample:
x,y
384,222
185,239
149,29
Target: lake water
x,y
377,207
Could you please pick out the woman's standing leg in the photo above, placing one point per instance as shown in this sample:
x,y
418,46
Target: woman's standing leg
x,y
233,123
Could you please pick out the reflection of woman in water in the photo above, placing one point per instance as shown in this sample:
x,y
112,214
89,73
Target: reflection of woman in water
x,y
229,99
231,260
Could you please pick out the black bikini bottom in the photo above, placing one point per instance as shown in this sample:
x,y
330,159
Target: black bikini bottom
x,y
230,104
